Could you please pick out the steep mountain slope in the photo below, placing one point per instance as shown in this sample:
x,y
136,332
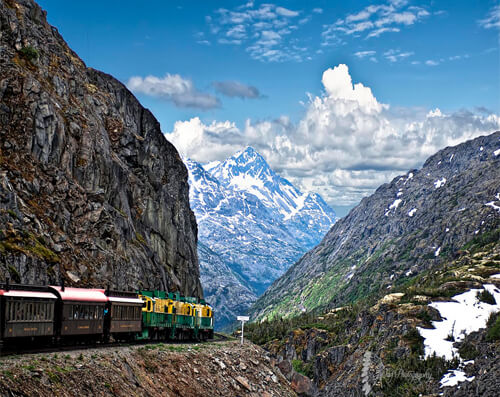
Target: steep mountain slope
x,y
90,190
407,226
253,223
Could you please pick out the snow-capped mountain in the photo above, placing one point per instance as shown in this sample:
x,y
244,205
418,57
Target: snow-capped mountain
x,y
255,221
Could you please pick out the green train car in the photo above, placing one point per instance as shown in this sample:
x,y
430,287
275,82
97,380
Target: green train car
x,y
170,316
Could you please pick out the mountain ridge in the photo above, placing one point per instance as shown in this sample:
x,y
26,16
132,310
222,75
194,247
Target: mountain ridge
x,y
406,226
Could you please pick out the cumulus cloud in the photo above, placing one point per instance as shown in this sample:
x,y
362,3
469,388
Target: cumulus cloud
x,y
346,144
236,89
173,88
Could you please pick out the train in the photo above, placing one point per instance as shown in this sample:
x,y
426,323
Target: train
x,y
53,315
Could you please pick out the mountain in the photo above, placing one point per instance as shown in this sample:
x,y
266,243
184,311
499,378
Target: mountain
x,y
412,224
90,189
252,222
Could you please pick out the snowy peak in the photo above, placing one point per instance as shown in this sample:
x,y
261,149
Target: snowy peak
x,y
247,171
251,221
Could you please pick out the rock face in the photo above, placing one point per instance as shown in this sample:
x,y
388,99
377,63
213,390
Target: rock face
x,y
90,190
407,226
253,224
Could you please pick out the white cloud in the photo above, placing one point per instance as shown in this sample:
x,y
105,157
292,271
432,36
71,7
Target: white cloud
x,y
492,20
378,32
286,12
364,54
317,10
374,20
173,88
266,31
396,55
431,62
346,144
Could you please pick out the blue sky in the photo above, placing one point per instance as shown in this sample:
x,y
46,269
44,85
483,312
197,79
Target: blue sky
x,y
229,62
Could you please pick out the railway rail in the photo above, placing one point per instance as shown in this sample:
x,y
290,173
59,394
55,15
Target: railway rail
x,y
28,350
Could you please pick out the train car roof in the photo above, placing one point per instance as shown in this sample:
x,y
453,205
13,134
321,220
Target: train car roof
x,y
80,294
121,299
28,294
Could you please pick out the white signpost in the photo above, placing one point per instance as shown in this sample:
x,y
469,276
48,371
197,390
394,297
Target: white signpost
x,y
242,319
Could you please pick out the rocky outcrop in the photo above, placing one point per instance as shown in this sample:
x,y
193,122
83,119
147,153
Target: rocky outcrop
x,y
410,225
223,369
375,348
90,190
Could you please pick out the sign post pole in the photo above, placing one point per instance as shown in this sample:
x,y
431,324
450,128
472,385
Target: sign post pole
x,y
242,319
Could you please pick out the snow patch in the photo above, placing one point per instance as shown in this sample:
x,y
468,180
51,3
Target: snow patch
x,y
436,253
492,203
447,230
496,152
395,204
408,273
412,212
410,175
439,183
463,315
453,377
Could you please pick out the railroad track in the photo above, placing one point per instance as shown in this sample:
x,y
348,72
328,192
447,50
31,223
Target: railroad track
x,y
18,350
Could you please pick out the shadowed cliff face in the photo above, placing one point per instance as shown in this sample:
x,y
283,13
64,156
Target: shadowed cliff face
x,y
90,189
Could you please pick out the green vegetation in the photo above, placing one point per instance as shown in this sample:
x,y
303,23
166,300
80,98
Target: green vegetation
x,y
29,53
493,328
411,376
486,297
303,368
140,238
467,351
415,341
334,323
30,245
479,242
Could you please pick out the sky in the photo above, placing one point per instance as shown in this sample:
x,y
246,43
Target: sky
x,y
338,96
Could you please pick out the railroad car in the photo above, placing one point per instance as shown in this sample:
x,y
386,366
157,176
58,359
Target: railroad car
x,y
26,314
59,314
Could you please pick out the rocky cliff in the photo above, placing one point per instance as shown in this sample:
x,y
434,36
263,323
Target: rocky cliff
x,y
90,190
410,225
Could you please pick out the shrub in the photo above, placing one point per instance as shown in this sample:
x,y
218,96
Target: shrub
x,y
468,351
486,297
302,368
493,333
29,53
